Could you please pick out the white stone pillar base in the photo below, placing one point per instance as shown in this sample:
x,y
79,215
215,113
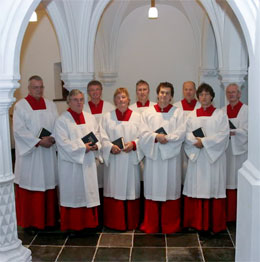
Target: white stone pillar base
x,y
15,253
248,214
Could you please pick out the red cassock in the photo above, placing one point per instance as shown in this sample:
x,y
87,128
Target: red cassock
x,y
35,168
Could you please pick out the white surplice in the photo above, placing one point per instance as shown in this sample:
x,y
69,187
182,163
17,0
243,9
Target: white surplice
x,y
184,158
162,170
107,107
206,172
140,110
236,152
78,183
35,167
121,171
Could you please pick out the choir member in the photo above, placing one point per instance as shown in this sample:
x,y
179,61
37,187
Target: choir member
x,y
78,185
205,182
98,107
237,149
142,95
162,171
187,104
121,171
36,163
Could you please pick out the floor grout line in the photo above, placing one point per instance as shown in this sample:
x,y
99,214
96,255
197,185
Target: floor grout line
x,y
131,248
62,248
200,247
166,248
231,237
97,246
32,240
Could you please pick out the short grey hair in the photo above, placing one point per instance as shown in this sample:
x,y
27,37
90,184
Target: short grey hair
x,y
73,92
234,84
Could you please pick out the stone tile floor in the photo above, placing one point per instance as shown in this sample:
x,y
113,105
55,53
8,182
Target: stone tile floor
x,y
109,245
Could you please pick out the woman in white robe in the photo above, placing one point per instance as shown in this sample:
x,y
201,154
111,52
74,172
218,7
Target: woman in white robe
x,y
121,171
205,182
77,170
162,169
236,152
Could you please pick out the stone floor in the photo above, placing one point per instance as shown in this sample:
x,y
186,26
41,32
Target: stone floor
x,y
109,245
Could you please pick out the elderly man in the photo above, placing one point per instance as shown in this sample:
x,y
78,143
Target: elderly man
x,y
78,185
237,149
142,94
187,104
36,164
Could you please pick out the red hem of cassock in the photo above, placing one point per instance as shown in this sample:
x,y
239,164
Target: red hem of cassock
x,y
78,218
162,216
36,209
121,214
205,214
231,205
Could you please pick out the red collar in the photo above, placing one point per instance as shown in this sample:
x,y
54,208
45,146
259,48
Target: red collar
x,y
139,104
79,118
160,110
125,116
96,109
233,112
188,106
208,112
36,104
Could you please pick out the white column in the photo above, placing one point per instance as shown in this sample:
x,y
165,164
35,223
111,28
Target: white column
x,y
77,81
11,248
248,212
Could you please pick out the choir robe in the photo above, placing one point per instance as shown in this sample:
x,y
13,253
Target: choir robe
x,y
138,107
162,171
97,111
121,171
78,185
187,108
35,166
236,153
206,173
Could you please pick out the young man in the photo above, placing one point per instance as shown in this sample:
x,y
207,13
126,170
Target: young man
x,y
237,149
162,170
36,163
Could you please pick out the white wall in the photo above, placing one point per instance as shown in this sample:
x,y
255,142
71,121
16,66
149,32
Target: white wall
x,y
39,52
156,51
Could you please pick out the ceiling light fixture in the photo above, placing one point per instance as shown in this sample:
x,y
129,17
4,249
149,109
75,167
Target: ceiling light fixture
x,y
153,11
33,17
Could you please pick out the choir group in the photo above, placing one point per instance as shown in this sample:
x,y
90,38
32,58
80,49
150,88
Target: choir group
x,y
158,167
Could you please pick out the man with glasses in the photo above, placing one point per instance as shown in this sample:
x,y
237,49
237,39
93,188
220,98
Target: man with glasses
x,y
36,165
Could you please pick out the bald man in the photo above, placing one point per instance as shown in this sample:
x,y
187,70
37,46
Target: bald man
x,y
236,152
187,105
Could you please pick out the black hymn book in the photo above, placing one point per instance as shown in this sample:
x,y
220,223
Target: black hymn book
x,y
119,142
44,132
198,132
161,130
90,137
231,125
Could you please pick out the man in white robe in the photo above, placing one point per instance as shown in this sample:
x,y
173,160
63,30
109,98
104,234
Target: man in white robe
x,y
142,95
98,107
237,149
121,172
78,185
36,163
162,170
205,181
187,104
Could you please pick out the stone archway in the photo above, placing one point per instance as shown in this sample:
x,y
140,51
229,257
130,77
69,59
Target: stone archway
x,y
15,15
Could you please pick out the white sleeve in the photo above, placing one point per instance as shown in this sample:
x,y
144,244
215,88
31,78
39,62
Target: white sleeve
x,y
69,150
